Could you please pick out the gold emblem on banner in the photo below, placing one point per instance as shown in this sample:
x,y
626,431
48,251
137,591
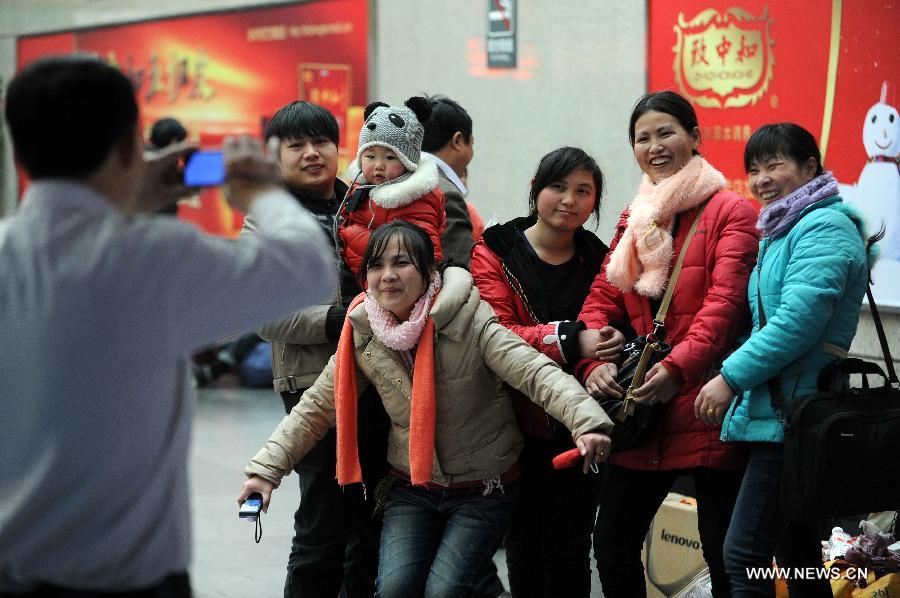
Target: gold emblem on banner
x,y
724,59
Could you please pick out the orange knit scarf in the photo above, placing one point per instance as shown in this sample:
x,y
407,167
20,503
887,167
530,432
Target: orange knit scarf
x,y
422,407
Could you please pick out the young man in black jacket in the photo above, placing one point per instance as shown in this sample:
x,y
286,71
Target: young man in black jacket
x,y
335,537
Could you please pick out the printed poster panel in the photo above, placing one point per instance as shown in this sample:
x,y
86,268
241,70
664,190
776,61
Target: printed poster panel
x,y
829,66
230,72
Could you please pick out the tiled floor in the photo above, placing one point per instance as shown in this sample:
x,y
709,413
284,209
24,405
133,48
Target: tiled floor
x,y
230,424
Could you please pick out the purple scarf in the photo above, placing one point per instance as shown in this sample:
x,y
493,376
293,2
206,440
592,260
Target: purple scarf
x,y
778,217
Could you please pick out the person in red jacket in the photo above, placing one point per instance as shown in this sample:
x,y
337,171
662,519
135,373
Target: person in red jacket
x,y
708,312
397,182
536,272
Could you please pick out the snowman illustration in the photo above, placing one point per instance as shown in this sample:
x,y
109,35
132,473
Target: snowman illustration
x,y
877,193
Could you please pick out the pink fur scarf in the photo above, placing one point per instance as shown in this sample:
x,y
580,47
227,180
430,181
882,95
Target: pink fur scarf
x,y
643,256
401,336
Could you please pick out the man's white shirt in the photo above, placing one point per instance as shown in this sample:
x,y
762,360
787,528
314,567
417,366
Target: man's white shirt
x,y
98,315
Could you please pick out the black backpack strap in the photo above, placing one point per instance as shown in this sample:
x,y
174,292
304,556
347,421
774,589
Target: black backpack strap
x,y
775,382
885,349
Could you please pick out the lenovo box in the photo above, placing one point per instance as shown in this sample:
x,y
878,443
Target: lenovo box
x,y
672,551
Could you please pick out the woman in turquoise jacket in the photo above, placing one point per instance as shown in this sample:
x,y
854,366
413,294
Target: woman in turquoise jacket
x,y
809,281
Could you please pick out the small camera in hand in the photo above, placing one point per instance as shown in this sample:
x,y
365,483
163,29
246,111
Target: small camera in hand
x,y
251,508
204,169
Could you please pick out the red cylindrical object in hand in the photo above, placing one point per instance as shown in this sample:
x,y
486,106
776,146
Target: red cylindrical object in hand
x,y
567,459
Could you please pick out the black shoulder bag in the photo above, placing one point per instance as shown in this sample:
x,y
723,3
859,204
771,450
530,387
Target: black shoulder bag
x,y
842,444
633,422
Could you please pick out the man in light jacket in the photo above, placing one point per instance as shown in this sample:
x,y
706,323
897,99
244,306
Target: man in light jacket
x,y
335,544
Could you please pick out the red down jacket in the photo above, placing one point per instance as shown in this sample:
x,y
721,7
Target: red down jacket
x,y
504,280
416,199
707,314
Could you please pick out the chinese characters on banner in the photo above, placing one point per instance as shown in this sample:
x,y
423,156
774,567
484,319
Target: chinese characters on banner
x,y
830,67
181,74
228,73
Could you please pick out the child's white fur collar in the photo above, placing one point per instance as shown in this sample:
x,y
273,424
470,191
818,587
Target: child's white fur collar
x,y
405,190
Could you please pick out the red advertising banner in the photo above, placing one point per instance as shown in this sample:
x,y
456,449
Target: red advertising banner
x,y
830,66
228,73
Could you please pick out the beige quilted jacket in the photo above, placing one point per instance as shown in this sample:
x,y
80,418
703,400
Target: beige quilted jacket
x,y
476,433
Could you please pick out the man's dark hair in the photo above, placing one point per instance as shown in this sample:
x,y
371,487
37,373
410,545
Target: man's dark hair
x,y
447,117
301,119
73,99
166,131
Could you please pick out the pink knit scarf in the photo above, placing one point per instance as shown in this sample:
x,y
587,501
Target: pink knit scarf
x,y
401,336
641,260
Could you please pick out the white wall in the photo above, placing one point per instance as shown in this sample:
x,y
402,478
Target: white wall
x,y
866,345
581,68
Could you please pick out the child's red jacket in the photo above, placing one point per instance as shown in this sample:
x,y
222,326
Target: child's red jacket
x,y
416,199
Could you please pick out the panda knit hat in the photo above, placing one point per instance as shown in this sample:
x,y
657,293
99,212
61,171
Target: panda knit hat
x,y
398,128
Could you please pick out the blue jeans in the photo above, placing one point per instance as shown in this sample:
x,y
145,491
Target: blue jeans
x,y
434,543
758,531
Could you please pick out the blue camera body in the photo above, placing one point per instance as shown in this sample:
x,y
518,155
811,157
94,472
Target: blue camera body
x,y
251,507
204,169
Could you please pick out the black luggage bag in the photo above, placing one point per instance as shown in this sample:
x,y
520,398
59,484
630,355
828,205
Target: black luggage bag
x,y
842,445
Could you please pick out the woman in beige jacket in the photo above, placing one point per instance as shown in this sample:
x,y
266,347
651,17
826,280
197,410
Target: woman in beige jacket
x,y
438,358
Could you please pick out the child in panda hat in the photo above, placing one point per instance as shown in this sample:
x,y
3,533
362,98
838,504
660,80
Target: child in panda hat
x,y
392,180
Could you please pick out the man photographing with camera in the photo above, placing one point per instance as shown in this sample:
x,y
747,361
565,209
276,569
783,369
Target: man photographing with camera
x,y
99,308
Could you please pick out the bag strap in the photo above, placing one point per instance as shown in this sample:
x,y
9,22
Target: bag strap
x,y
651,347
775,382
660,318
885,349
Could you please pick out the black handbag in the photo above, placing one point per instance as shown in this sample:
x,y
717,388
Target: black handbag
x,y
633,426
842,444
632,422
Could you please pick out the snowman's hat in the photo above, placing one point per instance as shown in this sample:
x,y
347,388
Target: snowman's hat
x,y
885,86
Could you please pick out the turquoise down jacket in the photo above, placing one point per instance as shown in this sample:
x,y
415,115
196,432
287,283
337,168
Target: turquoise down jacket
x,y
811,281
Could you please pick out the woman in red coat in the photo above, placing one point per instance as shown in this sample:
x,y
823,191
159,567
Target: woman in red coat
x,y
708,312
536,272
